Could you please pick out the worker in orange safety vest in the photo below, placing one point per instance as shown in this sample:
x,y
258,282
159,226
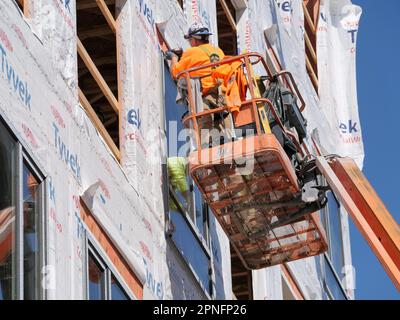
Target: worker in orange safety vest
x,y
201,53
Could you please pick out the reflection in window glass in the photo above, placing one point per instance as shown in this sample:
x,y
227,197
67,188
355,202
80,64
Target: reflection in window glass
x,y
332,283
177,168
7,216
190,249
183,237
117,293
31,234
96,280
191,201
199,208
335,235
102,284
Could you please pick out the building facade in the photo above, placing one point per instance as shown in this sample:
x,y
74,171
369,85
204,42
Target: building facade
x,y
89,116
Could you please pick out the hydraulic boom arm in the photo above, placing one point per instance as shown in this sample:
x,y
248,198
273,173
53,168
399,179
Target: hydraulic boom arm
x,y
367,211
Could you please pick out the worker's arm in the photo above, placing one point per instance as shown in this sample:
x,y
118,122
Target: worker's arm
x,y
174,61
186,62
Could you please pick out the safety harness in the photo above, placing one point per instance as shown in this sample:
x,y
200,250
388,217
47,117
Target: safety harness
x,y
214,57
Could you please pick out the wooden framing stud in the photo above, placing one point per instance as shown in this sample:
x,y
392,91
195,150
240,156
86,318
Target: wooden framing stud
x,y
90,4
107,14
98,124
228,14
24,7
311,73
97,76
293,285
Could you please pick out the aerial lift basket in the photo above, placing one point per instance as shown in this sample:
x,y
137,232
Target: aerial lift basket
x,y
262,201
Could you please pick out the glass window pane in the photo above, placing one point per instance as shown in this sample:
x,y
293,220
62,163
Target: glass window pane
x,y
190,249
178,150
335,235
179,146
96,280
200,208
7,216
332,283
117,293
31,213
177,140
323,215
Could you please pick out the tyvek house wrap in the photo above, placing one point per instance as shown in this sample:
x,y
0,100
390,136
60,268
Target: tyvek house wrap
x,y
45,114
283,30
55,24
47,117
336,49
144,141
282,23
35,107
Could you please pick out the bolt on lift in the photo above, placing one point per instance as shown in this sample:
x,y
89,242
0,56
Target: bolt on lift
x,y
269,212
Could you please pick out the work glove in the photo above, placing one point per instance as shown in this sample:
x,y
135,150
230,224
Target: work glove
x,y
169,55
178,52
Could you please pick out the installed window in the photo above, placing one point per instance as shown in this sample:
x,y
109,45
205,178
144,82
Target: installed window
x,y
102,283
333,227
188,214
21,217
96,279
98,68
31,227
332,286
333,261
8,259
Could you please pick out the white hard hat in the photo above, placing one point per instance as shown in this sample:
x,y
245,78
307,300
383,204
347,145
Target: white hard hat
x,y
198,30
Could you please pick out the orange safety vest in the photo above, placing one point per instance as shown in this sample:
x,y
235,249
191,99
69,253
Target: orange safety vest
x,y
234,84
195,57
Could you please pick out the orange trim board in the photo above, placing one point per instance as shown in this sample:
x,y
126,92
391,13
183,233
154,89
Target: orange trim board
x,y
112,252
292,283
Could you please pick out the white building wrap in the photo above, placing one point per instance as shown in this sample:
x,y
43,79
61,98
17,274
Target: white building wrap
x,y
336,50
39,101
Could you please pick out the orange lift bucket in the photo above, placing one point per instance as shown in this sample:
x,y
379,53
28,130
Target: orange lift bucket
x,y
252,187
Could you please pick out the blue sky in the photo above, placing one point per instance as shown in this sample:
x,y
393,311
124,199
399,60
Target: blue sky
x,y
378,79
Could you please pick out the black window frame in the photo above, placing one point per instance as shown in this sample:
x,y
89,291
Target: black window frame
x,y
23,158
332,284
94,250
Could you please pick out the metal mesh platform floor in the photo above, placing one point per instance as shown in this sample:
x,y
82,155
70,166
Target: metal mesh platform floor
x,y
251,198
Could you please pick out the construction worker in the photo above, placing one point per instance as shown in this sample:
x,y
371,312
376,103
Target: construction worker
x,y
177,172
202,53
